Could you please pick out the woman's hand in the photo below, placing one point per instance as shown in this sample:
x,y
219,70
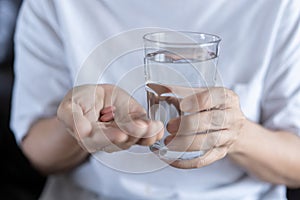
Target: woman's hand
x,y
106,118
213,124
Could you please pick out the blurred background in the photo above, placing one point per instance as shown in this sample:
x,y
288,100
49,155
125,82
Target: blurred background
x,y
18,179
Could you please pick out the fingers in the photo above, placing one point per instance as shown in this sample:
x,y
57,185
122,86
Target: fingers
x,y
137,125
199,99
129,115
103,135
203,142
118,135
212,123
148,138
201,122
147,132
178,91
104,117
207,159
151,140
109,137
211,98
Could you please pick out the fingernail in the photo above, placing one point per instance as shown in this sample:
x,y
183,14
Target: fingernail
x,y
172,126
168,140
107,117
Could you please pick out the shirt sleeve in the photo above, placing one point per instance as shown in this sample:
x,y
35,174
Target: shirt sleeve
x,y
41,75
281,95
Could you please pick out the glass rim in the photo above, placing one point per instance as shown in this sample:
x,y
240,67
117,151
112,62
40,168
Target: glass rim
x,y
216,39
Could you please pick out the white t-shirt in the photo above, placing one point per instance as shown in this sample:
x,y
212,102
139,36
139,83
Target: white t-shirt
x,y
60,44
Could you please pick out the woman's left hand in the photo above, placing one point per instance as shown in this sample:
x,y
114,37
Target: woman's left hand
x,y
213,125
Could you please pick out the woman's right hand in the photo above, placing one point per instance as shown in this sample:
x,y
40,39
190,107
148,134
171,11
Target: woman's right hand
x,y
106,118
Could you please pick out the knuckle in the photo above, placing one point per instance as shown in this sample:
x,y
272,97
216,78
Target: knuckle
x,y
64,106
201,162
224,138
234,96
117,140
216,139
207,143
218,118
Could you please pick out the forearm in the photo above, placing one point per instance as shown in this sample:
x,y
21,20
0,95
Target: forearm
x,y
271,156
50,148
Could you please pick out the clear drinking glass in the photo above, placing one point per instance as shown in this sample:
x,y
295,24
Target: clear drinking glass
x,y
176,65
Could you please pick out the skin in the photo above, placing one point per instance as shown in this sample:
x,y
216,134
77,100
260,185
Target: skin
x,y
63,142
215,124
255,148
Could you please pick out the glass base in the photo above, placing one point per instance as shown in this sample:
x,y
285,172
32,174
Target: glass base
x,y
163,152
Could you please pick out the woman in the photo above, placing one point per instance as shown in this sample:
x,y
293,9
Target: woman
x,y
258,149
